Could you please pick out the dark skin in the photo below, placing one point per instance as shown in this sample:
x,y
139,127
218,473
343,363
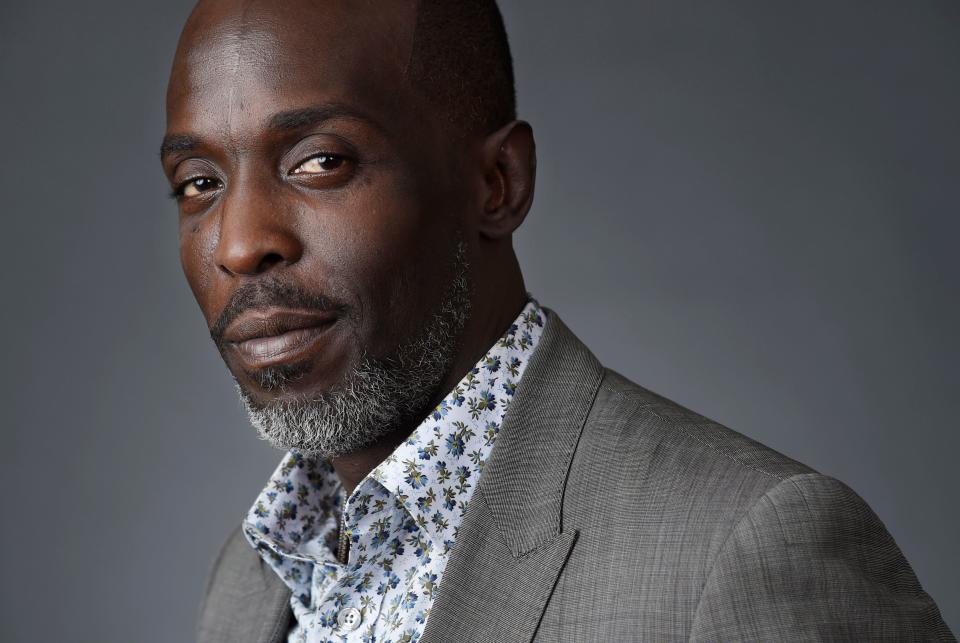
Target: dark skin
x,y
300,152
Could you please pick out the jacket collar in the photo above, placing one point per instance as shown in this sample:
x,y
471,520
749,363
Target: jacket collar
x,y
524,479
511,546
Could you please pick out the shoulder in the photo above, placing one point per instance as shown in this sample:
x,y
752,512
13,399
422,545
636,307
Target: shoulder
x,y
647,464
650,448
643,423
657,472
704,527
813,553
686,521
682,451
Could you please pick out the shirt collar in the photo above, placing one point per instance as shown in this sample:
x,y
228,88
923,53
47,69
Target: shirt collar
x,y
434,472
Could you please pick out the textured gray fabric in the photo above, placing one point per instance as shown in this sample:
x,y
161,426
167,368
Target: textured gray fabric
x,y
608,513
246,602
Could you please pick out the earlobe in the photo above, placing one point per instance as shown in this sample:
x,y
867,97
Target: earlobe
x,y
510,171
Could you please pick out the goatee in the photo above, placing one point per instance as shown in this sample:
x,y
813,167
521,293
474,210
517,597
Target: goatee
x,y
378,395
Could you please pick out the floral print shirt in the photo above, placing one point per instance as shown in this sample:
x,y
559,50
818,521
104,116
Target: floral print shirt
x,y
401,520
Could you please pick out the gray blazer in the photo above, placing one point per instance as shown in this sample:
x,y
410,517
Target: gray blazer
x,y
608,513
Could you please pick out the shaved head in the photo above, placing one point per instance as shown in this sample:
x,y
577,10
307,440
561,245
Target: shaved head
x,y
455,55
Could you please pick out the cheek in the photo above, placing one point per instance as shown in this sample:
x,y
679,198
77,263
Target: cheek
x,y
408,267
384,247
197,243
369,244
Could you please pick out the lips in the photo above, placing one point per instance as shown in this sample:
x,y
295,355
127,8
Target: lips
x,y
267,338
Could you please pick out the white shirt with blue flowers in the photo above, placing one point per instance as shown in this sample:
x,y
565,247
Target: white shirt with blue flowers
x,y
401,519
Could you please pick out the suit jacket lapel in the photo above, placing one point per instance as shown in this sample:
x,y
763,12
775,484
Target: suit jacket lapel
x,y
511,547
247,602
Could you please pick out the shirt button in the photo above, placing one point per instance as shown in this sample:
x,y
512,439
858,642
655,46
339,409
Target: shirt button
x,y
349,618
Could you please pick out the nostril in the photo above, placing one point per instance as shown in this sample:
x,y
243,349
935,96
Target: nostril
x,y
269,260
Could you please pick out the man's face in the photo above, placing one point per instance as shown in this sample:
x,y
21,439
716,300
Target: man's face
x,y
320,214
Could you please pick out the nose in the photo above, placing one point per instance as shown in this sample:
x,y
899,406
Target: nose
x,y
255,235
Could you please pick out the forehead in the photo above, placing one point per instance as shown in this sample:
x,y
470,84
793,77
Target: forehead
x,y
238,62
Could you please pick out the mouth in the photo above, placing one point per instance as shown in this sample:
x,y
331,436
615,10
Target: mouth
x,y
275,336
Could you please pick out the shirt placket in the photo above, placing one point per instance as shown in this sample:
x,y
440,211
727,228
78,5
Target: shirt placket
x,y
340,612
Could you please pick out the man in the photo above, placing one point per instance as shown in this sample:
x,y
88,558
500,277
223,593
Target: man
x,y
460,466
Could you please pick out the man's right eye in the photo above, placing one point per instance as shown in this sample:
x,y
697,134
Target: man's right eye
x,y
197,186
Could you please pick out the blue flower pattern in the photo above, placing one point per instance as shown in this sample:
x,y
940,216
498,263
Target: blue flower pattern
x,y
401,519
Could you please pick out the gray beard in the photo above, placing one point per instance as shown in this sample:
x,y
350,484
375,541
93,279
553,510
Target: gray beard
x,y
378,394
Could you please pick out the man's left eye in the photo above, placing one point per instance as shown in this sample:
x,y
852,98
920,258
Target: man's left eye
x,y
320,164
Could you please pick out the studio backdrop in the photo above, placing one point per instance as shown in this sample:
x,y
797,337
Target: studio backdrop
x,y
749,207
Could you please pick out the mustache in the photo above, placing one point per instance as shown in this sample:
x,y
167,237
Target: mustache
x,y
267,293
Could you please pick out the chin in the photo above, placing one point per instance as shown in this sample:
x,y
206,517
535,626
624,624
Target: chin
x,y
266,386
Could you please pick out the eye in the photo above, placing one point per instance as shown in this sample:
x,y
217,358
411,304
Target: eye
x,y
320,164
197,186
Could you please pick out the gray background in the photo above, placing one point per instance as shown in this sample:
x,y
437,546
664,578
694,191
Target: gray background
x,y
749,207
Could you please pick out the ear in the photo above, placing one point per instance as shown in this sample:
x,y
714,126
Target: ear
x,y
510,169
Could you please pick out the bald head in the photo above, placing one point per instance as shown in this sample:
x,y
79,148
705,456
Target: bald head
x,y
454,56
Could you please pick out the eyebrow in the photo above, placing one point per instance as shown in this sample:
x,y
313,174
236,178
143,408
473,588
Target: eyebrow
x,y
292,119
178,143
315,115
